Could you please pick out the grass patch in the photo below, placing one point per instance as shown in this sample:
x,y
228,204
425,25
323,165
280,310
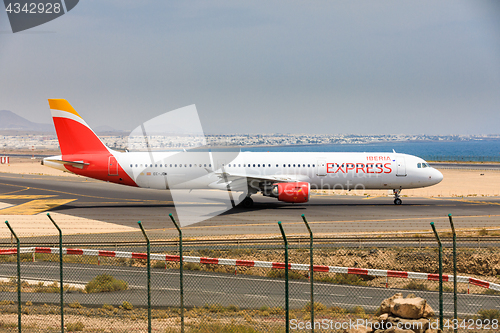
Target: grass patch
x,y
105,283
490,314
414,285
228,328
483,232
191,266
317,307
127,306
78,326
280,273
341,278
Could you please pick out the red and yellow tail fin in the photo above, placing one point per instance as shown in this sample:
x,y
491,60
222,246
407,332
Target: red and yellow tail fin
x,y
73,133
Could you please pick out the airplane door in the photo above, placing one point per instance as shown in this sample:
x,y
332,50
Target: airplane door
x,y
401,169
112,166
321,168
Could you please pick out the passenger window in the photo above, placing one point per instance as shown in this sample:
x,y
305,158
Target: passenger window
x,y
288,165
258,165
136,165
276,165
313,165
210,165
309,165
131,166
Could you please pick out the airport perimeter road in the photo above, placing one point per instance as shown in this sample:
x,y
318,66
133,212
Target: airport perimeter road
x,y
203,288
327,214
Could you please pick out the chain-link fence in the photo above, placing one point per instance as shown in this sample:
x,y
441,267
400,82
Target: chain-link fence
x,y
238,284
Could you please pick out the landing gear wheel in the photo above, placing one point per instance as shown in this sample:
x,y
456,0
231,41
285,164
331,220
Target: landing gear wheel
x,y
396,192
247,203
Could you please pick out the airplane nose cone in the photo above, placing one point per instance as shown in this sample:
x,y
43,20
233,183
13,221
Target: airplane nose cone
x,y
437,176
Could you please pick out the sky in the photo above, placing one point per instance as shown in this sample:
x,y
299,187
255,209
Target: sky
x,y
318,67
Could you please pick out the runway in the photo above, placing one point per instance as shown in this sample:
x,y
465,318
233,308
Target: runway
x,y
32,195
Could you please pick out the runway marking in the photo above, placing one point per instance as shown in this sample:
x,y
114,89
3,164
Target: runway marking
x,y
480,202
75,194
34,207
11,192
26,196
374,197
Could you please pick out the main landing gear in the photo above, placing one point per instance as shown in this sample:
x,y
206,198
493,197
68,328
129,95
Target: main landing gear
x,y
397,200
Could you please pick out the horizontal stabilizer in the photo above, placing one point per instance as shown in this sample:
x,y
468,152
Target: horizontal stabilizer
x,y
76,164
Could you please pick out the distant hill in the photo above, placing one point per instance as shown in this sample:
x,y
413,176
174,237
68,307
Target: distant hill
x,y
12,122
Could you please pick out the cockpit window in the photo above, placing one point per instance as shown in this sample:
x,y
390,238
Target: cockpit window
x,y
419,165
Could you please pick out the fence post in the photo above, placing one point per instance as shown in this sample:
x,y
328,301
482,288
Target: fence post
x,y
455,308
61,285
149,274
18,277
311,270
287,299
181,275
440,277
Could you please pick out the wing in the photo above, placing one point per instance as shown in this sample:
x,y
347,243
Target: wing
x,y
239,180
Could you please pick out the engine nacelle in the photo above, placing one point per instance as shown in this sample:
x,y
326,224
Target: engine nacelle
x,y
291,192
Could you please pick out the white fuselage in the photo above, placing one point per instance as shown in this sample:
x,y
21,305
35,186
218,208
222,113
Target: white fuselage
x,y
322,170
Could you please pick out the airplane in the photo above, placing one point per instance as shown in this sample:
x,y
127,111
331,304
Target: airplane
x,y
287,176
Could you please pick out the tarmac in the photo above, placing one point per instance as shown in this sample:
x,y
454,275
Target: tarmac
x,y
110,212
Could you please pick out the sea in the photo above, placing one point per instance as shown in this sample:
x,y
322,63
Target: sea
x,y
487,150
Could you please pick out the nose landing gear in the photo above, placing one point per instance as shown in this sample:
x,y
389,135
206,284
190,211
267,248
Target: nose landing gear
x,y
397,200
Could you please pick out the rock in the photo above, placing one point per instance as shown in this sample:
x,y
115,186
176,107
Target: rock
x,y
359,329
383,317
410,308
397,330
417,326
428,312
385,306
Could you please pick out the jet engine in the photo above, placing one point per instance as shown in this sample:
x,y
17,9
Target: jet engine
x,y
291,192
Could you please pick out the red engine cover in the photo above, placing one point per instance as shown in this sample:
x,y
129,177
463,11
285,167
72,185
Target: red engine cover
x,y
293,192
